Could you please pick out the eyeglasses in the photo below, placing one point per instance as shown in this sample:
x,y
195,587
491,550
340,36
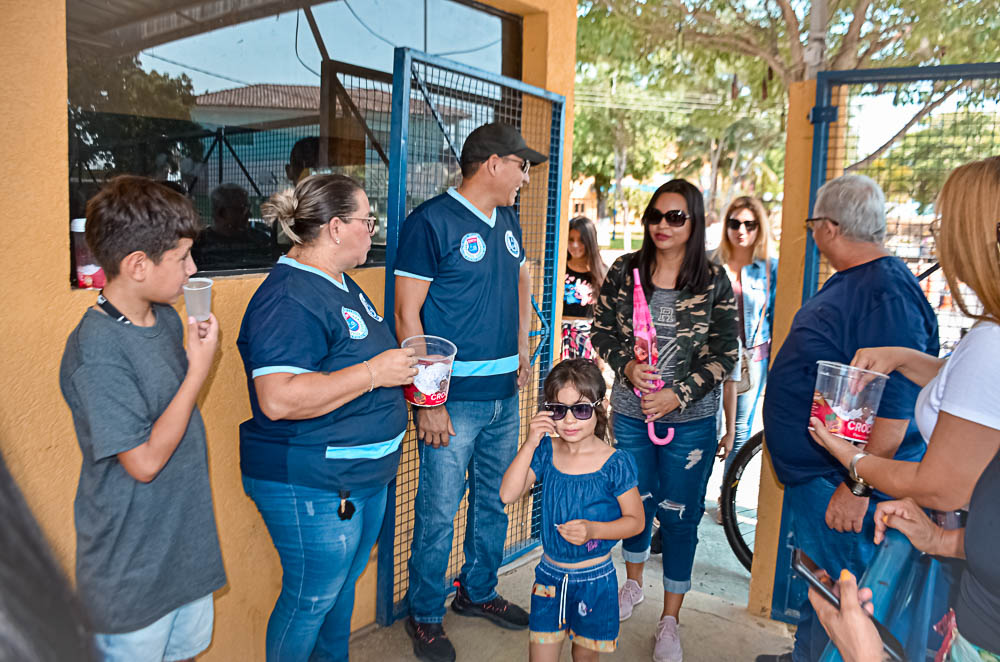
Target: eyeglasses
x,y
371,220
735,223
675,218
817,219
525,163
582,411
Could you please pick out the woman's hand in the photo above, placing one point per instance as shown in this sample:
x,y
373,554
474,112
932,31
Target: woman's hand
x,y
394,367
575,531
910,519
660,403
642,375
841,449
849,627
725,445
540,425
876,359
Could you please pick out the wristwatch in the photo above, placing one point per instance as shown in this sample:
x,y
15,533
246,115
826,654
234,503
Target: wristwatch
x,y
856,483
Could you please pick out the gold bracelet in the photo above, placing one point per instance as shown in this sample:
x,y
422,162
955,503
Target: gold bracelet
x,y
372,371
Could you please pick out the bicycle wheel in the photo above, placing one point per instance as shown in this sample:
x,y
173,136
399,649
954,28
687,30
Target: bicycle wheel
x,y
739,499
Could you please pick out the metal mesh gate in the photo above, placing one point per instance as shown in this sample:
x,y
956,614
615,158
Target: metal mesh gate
x,y
907,129
436,104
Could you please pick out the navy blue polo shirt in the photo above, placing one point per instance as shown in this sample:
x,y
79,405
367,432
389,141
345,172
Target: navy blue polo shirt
x,y
302,320
875,304
472,262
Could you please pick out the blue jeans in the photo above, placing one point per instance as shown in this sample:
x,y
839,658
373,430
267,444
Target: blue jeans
x,y
182,634
672,483
746,407
483,447
322,557
831,550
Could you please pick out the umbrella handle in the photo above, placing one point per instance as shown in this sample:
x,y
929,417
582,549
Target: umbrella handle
x,y
651,429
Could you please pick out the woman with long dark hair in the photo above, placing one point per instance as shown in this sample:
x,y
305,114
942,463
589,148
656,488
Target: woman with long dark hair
x,y
585,272
695,316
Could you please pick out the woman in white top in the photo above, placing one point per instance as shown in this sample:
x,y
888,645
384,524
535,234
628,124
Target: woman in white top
x,y
958,413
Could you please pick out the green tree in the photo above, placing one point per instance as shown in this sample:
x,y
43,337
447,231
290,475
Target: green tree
x,y
123,119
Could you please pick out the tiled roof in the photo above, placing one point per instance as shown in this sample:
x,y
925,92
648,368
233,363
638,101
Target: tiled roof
x,y
306,97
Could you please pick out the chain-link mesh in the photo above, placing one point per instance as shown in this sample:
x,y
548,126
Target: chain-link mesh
x,y
445,106
926,129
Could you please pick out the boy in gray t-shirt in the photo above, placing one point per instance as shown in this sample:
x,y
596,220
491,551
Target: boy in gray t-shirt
x,y
147,557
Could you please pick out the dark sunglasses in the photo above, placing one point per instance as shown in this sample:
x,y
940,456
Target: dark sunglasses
x,y
817,219
675,218
582,411
735,223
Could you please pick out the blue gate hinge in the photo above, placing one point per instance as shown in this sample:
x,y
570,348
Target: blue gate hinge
x,y
823,114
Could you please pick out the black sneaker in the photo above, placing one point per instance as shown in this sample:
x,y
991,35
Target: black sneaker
x,y
430,643
499,611
784,657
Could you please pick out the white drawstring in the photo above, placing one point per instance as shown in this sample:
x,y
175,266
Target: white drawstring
x,y
562,600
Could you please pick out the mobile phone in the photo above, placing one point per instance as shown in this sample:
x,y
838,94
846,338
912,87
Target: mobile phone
x,y
808,570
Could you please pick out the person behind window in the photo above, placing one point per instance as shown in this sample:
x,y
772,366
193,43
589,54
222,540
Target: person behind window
x,y
694,313
328,416
230,242
585,271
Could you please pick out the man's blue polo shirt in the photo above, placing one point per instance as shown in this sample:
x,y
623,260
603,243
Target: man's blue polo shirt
x,y
472,262
875,304
303,320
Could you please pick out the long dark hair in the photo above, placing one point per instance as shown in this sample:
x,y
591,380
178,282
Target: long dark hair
x,y
696,272
585,377
588,234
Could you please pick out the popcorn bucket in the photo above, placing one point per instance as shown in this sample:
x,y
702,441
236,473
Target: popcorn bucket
x,y
846,399
435,357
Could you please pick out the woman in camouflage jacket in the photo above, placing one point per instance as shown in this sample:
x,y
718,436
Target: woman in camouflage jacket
x,y
697,325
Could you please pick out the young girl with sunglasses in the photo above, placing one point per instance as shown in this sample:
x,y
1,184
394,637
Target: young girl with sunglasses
x,y
695,316
589,503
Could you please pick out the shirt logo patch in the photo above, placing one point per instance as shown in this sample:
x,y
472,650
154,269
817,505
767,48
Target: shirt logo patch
x,y
370,308
512,246
355,324
472,247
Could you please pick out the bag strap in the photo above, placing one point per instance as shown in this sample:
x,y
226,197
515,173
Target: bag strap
x,y
767,303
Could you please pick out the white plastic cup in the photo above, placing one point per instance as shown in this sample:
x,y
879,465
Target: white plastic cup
x,y
198,298
435,358
847,410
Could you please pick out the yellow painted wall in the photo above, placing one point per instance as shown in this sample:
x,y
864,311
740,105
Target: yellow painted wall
x,y
36,433
788,299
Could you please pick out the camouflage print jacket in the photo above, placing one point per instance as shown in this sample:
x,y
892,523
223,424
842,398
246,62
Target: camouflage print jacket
x,y
707,330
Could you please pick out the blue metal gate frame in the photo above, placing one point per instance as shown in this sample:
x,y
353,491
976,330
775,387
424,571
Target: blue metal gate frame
x,y
787,587
404,59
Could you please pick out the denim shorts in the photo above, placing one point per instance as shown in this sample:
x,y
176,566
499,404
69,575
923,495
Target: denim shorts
x,y
181,634
580,601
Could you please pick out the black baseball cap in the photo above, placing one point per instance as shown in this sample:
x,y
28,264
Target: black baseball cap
x,y
499,139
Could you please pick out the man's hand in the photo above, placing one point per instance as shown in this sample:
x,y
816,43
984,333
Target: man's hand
x,y
523,366
434,426
846,512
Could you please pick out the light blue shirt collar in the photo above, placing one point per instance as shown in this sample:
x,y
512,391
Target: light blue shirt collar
x,y
284,259
490,221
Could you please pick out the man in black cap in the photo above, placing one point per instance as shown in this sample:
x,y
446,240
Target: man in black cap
x,y
461,274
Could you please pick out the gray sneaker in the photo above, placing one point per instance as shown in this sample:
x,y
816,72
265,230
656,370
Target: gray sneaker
x,y
668,644
628,597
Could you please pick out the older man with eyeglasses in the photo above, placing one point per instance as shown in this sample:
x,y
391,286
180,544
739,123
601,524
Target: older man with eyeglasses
x,y
871,301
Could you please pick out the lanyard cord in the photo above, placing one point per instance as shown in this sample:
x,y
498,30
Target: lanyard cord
x,y
109,308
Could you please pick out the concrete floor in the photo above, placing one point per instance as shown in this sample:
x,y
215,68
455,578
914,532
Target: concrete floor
x,y
715,625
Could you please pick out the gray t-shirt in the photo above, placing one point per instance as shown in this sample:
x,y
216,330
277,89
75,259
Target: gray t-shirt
x,y
663,308
142,549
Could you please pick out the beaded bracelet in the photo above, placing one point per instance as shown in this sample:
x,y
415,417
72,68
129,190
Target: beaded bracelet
x,y
372,371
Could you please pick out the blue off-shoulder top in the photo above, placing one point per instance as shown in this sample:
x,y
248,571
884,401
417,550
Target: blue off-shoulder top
x,y
591,496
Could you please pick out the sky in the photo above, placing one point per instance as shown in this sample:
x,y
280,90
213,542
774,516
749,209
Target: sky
x,y
263,51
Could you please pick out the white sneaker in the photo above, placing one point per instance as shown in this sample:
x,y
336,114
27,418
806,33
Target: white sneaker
x,y
668,644
628,597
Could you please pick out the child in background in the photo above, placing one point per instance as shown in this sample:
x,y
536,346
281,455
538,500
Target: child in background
x,y
147,549
584,276
589,502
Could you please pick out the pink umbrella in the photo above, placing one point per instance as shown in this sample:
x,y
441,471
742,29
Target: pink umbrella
x,y
645,348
